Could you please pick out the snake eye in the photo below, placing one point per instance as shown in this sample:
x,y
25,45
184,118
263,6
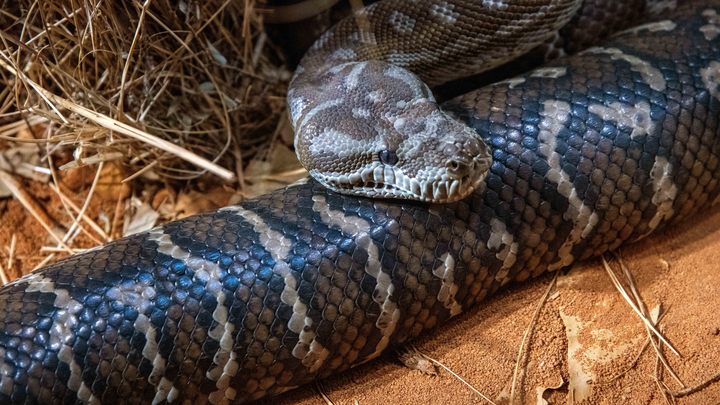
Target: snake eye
x,y
388,157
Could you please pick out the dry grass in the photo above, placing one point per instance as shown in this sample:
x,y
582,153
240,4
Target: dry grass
x,y
167,91
626,286
180,87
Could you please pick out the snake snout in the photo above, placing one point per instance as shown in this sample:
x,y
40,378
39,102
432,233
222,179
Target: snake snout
x,y
462,156
460,167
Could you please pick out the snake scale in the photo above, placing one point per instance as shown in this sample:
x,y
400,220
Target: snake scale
x,y
366,123
588,152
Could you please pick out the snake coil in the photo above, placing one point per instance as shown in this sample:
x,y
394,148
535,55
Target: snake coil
x,y
588,152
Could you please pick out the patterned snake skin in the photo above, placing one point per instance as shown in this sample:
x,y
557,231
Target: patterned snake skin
x,y
366,122
589,152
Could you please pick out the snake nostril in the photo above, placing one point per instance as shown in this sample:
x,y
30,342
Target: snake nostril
x,y
458,167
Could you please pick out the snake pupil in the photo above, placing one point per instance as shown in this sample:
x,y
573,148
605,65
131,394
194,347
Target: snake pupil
x,y
388,157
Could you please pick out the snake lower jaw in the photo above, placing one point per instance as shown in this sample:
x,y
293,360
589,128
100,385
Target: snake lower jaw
x,y
375,182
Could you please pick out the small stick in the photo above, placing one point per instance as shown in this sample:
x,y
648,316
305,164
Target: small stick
x,y
85,218
691,390
55,249
31,206
16,126
634,307
526,336
11,251
320,390
70,234
44,261
11,255
126,66
3,276
117,214
140,172
664,389
637,356
643,309
280,177
462,380
125,129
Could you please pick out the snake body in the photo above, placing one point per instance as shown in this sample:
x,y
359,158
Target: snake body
x,y
365,120
588,152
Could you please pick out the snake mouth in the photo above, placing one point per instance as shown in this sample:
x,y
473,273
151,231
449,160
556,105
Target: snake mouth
x,y
381,181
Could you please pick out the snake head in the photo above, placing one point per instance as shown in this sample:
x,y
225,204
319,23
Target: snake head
x,y
374,129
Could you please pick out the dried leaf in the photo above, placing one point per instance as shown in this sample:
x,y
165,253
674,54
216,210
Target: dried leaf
x,y
196,202
143,219
24,160
416,361
280,169
216,54
542,392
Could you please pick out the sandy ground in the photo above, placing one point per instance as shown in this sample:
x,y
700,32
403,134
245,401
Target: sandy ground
x,y
587,345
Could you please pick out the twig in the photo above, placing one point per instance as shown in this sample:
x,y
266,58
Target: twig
x,y
662,386
526,336
3,275
117,215
125,129
140,172
55,249
462,380
19,125
641,305
665,390
11,255
321,391
280,177
691,390
76,209
11,250
91,160
126,66
635,359
634,306
31,206
44,261
70,234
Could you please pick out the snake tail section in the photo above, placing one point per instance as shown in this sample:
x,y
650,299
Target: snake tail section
x,y
589,152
